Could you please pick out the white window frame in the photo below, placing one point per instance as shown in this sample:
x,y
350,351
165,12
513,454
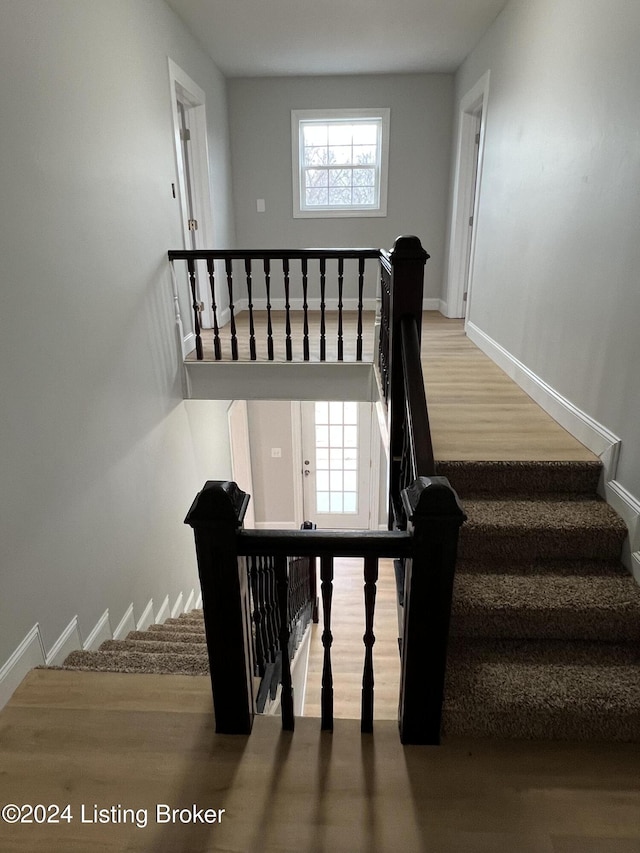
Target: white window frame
x,y
298,118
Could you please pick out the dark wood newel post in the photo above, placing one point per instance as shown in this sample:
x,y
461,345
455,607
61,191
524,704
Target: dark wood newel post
x,y
435,517
215,516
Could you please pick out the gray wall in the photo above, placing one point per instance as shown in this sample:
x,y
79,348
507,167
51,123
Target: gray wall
x,y
98,464
419,156
557,257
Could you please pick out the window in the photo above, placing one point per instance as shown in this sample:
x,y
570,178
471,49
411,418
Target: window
x,y
340,160
336,457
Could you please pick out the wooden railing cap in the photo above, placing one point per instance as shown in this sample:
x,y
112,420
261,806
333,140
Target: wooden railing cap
x,y
429,497
220,501
408,246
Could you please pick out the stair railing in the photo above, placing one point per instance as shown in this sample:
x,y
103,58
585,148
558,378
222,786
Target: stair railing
x,y
270,280
425,518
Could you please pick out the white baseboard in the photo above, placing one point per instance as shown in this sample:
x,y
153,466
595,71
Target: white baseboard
x,y
177,608
164,612
29,654
126,624
66,643
431,303
628,508
100,632
198,604
189,605
582,426
147,617
276,525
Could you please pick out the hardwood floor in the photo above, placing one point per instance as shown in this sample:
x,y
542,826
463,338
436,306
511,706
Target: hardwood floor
x,y
122,742
131,742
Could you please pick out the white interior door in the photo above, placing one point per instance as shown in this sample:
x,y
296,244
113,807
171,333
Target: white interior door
x,y
336,464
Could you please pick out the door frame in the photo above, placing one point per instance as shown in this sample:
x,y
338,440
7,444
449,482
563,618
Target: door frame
x,y
186,90
466,198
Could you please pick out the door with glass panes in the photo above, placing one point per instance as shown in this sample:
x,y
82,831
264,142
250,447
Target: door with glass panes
x,y
336,463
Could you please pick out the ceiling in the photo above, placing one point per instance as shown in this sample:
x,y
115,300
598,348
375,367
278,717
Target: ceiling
x,y
261,38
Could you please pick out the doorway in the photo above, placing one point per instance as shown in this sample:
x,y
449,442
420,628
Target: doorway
x,y
336,463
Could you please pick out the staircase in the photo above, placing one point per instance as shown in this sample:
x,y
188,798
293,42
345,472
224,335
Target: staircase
x,y
546,622
178,646
545,626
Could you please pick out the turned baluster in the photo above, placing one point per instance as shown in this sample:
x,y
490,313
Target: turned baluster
x,y
305,309
286,696
360,292
370,580
326,700
234,340
216,330
287,308
323,282
191,267
340,306
252,335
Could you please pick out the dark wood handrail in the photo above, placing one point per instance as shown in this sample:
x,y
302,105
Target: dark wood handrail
x,y
416,412
271,254
322,543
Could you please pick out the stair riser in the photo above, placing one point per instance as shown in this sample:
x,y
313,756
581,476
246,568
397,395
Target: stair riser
x,y
496,478
544,625
523,547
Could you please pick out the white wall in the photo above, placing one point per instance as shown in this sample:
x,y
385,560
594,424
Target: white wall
x,y
419,156
273,478
557,254
98,463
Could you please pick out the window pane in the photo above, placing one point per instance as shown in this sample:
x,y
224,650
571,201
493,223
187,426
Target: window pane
x,y
335,436
340,177
365,134
322,413
341,154
314,134
339,196
315,157
322,501
341,134
335,413
322,457
350,502
322,481
350,460
317,197
336,502
336,481
364,154
364,195
322,436
336,459
351,413
364,177
350,436
350,481
317,177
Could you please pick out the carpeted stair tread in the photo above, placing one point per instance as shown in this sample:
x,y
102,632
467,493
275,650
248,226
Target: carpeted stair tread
x,y
547,606
543,690
521,478
139,662
153,647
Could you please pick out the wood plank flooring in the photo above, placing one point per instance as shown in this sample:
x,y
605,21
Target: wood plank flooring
x,y
116,742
